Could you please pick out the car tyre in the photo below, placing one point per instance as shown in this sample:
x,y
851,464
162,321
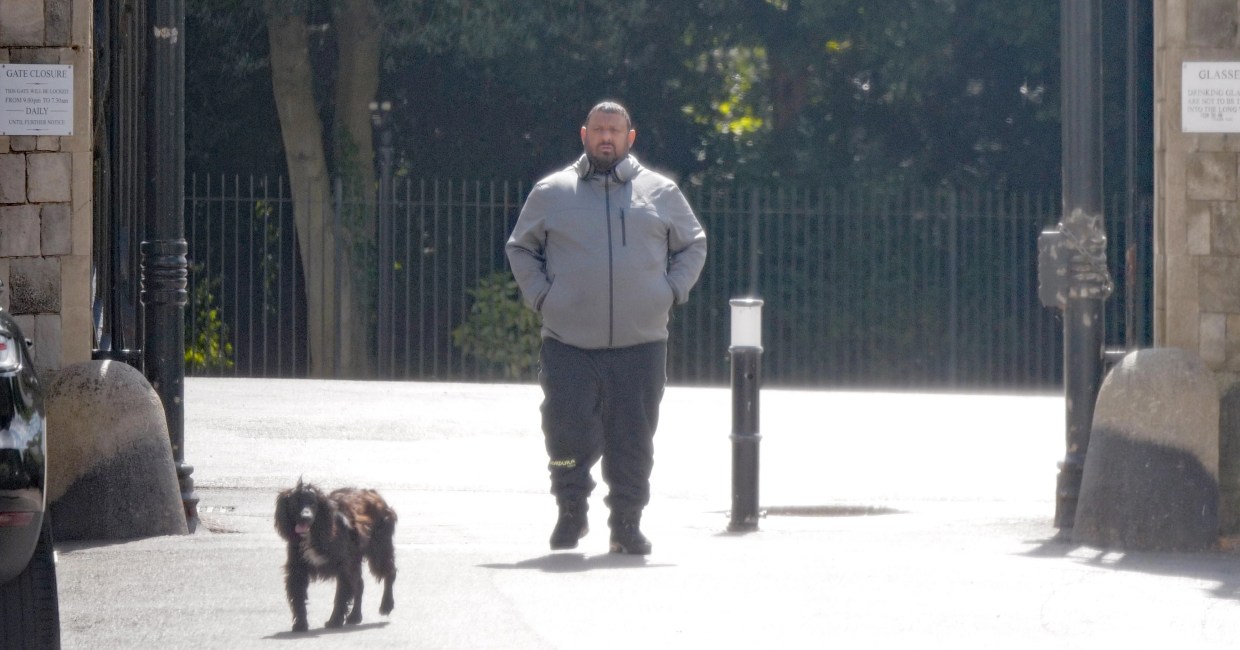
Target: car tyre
x,y
29,606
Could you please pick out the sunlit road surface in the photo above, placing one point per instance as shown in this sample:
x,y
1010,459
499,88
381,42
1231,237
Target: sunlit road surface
x,y
892,518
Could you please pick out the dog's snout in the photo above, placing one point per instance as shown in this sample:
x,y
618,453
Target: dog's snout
x,y
307,514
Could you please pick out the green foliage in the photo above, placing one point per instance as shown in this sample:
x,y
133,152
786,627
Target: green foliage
x,y
824,92
208,344
948,93
268,264
500,330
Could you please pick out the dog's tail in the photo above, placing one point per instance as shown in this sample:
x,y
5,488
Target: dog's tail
x,y
382,557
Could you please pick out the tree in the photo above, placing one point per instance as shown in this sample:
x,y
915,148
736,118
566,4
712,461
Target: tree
x,y
923,92
334,296
319,49
958,93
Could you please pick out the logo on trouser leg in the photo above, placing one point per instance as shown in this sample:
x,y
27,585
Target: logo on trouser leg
x,y
563,463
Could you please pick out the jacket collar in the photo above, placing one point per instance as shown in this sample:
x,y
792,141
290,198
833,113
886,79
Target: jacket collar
x,y
623,172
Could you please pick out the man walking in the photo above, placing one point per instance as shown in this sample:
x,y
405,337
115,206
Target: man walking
x,y
602,250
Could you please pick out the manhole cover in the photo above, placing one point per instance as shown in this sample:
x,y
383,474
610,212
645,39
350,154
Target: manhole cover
x,y
829,511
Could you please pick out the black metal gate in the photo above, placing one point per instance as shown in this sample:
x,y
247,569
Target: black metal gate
x,y
119,177
909,288
138,269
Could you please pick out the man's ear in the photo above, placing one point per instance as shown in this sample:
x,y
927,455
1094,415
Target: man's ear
x,y
583,136
632,136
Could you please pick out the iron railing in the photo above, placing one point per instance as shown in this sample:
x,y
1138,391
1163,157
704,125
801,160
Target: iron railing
x,y
918,288
120,178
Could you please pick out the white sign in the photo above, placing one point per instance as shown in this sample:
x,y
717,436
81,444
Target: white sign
x,y
36,99
1210,97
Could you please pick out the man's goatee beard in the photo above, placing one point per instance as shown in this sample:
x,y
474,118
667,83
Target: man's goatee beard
x,y
602,166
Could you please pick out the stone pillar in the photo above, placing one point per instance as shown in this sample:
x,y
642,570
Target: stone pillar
x,y
45,190
1197,202
1197,221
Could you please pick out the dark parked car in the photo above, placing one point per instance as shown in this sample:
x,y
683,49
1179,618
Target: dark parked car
x,y
29,608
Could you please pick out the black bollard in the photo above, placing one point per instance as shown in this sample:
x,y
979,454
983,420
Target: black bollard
x,y
746,352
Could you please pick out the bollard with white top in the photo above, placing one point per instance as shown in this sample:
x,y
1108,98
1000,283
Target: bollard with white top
x,y
746,352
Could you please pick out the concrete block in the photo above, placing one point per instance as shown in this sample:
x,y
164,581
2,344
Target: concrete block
x,y
1197,219
1233,344
82,228
47,343
1174,235
55,224
21,22
1183,323
1151,478
49,177
35,285
77,335
1211,176
1173,15
1224,230
36,55
1212,23
1182,279
47,143
23,143
112,472
19,230
58,22
1213,345
1218,278
12,178
26,323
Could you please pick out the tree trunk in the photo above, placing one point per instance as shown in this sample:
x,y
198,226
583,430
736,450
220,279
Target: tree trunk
x,y
357,82
325,263
788,53
357,30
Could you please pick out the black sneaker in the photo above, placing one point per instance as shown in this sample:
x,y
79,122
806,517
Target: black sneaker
x,y
570,527
627,538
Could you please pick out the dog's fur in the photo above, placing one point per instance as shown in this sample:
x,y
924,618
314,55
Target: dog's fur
x,y
328,536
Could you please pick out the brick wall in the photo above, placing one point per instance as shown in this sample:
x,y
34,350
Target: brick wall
x,y
45,190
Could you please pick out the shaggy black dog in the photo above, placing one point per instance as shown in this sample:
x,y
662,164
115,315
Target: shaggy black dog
x,y
328,536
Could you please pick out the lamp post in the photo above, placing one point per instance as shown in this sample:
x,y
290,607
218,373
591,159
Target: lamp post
x,y
164,250
746,351
380,120
1072,264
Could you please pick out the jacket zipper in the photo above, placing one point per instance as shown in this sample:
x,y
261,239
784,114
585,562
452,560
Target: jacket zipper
x,y
611,281
624,233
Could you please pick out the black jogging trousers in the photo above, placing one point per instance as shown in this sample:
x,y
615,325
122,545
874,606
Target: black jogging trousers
x,y
602,402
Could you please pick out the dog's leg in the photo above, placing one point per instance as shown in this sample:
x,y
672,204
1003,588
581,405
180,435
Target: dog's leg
x,y
382,559
342,602
386,605
296,583
355,576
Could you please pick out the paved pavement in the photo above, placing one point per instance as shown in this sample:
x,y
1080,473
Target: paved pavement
x,y
931,525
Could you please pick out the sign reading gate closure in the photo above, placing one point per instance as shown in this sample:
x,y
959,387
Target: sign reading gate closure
x,y
36,99
1210,97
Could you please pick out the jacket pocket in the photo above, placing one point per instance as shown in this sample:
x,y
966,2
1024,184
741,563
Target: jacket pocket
x,y
546,294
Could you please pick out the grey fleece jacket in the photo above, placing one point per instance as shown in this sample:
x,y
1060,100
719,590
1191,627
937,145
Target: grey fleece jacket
x,y
603,257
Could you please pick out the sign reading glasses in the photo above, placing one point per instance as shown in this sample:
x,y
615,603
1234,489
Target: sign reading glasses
x,y
1210,97
36,99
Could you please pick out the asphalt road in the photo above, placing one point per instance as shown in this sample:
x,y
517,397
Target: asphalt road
x,y
893,518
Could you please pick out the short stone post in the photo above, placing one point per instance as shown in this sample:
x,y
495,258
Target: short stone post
x,y
1151,479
